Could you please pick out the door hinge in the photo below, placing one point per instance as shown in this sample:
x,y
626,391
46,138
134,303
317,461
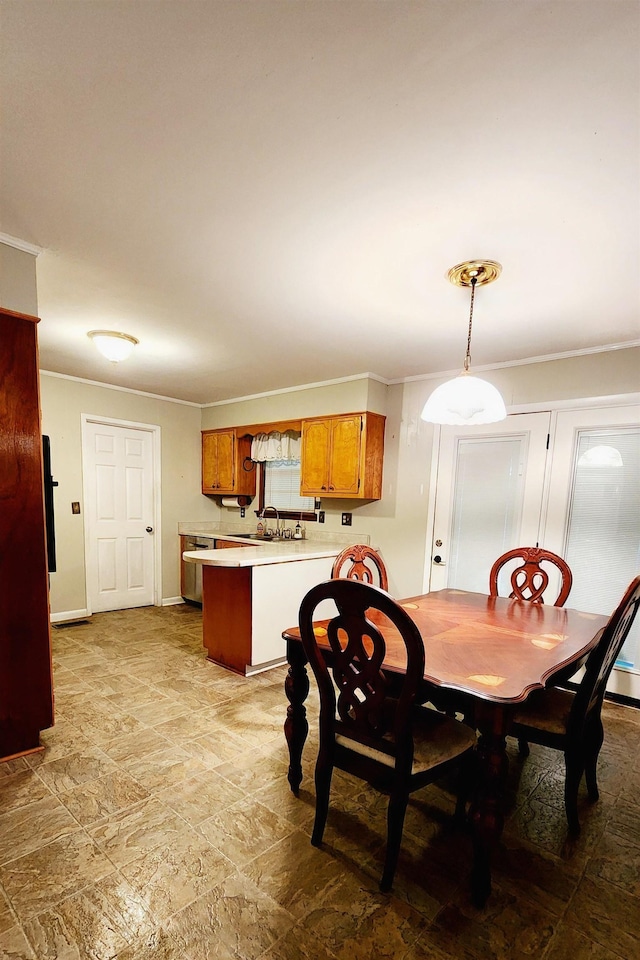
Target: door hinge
x,y
548,439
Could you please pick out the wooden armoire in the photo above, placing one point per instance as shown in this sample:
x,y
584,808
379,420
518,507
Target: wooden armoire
x,y
26,690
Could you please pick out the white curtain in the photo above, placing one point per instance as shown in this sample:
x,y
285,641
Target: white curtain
x,y
276,446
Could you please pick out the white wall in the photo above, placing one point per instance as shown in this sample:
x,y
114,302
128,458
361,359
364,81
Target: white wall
x,y
63,402
18,280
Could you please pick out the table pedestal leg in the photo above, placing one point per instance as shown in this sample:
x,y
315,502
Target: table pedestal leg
x,y
486,813
296,727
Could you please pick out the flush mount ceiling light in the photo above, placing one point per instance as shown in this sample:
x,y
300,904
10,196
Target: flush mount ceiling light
x,y
112,345
467,400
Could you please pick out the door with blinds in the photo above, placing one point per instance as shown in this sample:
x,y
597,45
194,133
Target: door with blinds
x,y
593,517
489,497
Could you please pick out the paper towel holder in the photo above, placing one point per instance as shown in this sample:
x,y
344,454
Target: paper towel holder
x,y
235,502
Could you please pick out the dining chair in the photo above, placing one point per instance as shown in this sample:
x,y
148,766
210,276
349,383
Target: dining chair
x,y
371,723
530,580
365,564
571,720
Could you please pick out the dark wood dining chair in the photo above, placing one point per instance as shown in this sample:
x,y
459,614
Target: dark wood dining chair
x,y
371,723
529,580
361,562
571,721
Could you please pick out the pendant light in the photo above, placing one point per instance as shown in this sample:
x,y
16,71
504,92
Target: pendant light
x,y
467,400
112,345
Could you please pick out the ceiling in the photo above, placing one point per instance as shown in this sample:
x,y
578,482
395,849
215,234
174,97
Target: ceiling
x,y
271,193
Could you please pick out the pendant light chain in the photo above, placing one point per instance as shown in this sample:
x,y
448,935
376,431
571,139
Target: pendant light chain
x,y
467,359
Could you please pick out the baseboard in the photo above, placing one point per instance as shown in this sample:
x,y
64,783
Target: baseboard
x,y
69,616
622,699
171,601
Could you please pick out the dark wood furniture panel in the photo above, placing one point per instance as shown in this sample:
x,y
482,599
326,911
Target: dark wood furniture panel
x,y
26,691
226,615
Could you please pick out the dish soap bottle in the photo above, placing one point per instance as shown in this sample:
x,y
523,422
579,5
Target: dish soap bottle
x,y
297,534
260,528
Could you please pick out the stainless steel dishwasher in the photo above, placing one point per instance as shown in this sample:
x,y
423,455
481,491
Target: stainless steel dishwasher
x,y
191,573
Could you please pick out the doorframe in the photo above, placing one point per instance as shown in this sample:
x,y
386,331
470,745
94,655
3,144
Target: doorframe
x,y
156,436
552,407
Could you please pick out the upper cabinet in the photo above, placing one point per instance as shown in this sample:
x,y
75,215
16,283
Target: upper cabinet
x,y
342,456
223,463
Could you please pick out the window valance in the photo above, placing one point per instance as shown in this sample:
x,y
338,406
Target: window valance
x,y
276,446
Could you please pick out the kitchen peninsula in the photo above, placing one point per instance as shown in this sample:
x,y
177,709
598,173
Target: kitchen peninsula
x,y
252,593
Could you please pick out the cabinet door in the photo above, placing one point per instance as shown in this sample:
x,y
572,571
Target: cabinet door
x,y
226,462
209,462
344,470
314,467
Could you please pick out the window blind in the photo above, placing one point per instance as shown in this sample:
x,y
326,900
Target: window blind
x,y
282,486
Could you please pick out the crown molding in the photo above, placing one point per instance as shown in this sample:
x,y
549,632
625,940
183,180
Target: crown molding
x,y
586,351
20,244
300,387
113,386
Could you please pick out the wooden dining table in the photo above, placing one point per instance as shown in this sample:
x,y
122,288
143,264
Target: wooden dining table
x,y
490,652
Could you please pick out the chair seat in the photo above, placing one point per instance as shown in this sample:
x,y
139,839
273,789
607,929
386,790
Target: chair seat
x,y
436,739
546,710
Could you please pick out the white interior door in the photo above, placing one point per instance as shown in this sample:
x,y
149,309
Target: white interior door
x,y
119,513
593,519
489,491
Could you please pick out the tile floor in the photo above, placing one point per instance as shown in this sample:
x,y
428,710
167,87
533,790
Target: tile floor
x,y
158,824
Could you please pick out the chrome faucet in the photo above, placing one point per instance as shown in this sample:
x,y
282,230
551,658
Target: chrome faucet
x,y
277,530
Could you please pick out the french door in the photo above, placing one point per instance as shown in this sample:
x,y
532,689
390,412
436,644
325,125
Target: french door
x,y
593,517
568,481
490,484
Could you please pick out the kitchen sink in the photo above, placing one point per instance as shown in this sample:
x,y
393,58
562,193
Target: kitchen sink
x,y
243,536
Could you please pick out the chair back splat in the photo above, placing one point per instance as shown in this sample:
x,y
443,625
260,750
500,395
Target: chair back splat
x,y
361,562
371,723
530,580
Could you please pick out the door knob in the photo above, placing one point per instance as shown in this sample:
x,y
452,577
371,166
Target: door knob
x,y
437,558
149,529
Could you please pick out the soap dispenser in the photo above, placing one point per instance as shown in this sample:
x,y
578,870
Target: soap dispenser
x,y
297,534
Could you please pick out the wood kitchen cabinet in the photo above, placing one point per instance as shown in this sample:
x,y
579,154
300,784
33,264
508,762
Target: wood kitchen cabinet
x,y
342,456
223,458
26,691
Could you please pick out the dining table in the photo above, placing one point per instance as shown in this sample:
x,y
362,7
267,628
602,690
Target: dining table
x,y
486,655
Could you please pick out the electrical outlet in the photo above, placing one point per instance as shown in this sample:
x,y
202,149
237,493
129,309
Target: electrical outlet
x,y
242,513
346,519
318,504
321,516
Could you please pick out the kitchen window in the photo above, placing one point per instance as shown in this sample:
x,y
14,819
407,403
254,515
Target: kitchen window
x,y
280,488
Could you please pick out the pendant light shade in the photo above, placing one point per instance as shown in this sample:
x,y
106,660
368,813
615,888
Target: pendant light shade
x,y
112,345
467,400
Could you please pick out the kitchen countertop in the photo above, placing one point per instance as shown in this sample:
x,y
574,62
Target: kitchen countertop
x,y
265,552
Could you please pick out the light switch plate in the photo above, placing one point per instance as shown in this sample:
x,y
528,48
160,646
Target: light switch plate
x,y
346,519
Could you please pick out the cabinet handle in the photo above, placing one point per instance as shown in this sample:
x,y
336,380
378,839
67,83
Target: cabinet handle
x,y
331,488
323,487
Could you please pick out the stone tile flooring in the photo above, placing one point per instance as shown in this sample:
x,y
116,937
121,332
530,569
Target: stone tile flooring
x,y
158,823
